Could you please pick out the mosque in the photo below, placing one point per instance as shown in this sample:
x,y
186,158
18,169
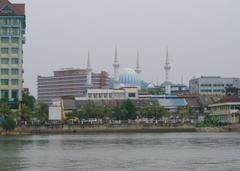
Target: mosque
x,y
126,77
126,82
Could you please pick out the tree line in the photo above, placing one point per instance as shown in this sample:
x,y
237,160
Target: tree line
x,y
125,111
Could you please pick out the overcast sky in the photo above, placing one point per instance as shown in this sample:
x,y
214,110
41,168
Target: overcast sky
x,y
203,37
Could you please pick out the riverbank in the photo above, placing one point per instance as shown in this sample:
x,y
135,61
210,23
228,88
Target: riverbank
x,y
117,129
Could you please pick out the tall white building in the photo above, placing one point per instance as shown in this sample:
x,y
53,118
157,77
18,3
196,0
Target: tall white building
x,y
12,31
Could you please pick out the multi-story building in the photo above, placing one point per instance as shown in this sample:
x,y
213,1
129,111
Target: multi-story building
x,y
69,82
12,30
226,110
212,85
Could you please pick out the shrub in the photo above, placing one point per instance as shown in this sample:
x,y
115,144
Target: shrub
x,y
9,124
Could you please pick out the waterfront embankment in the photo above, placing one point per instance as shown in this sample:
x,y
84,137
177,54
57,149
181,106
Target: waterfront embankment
x,y
116,129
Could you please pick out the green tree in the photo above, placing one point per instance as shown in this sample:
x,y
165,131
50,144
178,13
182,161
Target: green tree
x,y
25,113
4,108
41,112
154,111
119,113
28,100
130,108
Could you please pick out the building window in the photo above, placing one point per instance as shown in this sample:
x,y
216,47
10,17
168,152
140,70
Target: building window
x,y
4,82
15,40
4,94
5,40
14,94
5,61
5,71
14,50
15,22
15,31
131,94
14,72
4,31
15,61
15,82
5,21
4,50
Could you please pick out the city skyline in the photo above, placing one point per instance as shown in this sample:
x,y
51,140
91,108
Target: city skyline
x,y
201,37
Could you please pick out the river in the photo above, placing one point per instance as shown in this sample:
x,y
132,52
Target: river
x,y
122,152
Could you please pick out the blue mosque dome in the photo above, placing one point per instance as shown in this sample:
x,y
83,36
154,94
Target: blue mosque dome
x,y
150,86
129,78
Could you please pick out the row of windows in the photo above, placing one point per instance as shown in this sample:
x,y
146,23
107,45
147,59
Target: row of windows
x,y
206,91
235,107
219,90
218,85
13,40
7,61
5,94
5,82
9,21
215,90
5,71
215,85
10,31
206,85
6,50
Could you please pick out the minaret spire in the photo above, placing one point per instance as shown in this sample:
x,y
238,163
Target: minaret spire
x,y
182,79
89,71
116,67
138,69
88,61
167,67
116,55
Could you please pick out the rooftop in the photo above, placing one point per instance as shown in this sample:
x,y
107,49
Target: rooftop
x,y
9,9
229,99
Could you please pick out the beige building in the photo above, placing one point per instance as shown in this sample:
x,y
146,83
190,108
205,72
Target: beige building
x,y
226,110
111,94
12,30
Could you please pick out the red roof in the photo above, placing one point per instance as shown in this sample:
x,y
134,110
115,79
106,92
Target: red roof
x,y
15,9
229,99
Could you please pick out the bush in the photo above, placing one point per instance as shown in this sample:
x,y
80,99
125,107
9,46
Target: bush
x,y
208,122
9,124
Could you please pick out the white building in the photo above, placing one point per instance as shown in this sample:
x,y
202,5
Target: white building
x,y
56,110
110,94
212,85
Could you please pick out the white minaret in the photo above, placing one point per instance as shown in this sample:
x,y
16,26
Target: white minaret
x,y
116,67
138,69
89,71
167,68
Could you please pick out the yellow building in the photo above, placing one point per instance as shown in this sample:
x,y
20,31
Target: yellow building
x,y
226,110
12,30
